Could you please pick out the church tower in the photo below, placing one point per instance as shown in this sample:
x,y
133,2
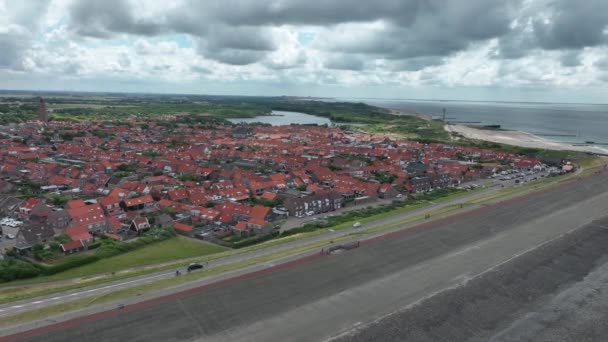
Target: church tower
x,y
43,114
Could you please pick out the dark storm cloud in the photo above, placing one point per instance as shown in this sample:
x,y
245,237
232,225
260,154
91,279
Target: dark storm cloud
x,y
345,62
236,45
238,31
414,27
573,25
310,12
415,64
561,25
103,19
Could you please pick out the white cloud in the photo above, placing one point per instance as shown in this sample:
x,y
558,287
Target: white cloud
x,y
42,40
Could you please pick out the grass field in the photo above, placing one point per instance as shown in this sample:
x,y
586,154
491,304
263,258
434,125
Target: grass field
x,y
177,248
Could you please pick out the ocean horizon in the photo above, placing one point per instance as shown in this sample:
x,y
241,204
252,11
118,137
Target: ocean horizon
x,y
564,122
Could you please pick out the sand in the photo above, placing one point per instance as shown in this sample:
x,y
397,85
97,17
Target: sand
x,y
518,138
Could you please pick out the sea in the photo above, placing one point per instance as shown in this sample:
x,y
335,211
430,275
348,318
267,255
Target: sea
x,y
564,122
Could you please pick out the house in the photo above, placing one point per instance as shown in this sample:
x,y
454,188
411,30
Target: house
x,y
182,228
26,207
420,184
79,233
442,181
241,229
260,212
258,225
163,220
139,203
268,196
387,191
72,247
178,195
416,168
111,206
139,225
91,216
58,219
9,205
31,234
317,203
115,226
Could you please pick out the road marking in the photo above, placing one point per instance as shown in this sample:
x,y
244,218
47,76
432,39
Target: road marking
x,y
81,293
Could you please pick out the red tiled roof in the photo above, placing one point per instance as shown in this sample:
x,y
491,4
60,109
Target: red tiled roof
x,y
72,245
183,227
78,233
268,196
260,211
241,226
73,204
139,200
258,221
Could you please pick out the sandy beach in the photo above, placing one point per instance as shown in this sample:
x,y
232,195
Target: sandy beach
x,y
518,138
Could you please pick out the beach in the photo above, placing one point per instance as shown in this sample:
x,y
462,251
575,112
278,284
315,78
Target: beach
x,y
518,138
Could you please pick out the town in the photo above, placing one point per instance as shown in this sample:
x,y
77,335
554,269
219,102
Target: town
x,y
67,184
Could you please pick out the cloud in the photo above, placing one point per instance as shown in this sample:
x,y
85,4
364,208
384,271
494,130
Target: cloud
x,y
556,25
570,58
415,64
573,25
104,19
19,22
345,62
237,45
11,50
308,44
438,28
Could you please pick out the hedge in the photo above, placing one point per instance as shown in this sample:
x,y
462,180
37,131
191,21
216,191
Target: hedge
x,y
12,269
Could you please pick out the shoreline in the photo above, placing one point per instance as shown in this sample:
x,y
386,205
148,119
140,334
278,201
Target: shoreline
x,y
520,138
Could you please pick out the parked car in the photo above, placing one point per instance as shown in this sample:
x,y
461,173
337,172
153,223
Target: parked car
x,y
194,266
10,236
356,224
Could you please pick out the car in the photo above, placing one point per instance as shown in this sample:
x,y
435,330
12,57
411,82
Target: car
x,y
194,266
356,224
399,196
10,236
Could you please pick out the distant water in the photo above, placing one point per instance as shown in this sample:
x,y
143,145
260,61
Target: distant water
x,y
279,118
553,121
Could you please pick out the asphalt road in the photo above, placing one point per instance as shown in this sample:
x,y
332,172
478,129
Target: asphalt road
x,y
328,296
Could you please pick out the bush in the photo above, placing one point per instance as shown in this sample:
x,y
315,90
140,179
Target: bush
x,y
13,269
94,245
254,240
69,263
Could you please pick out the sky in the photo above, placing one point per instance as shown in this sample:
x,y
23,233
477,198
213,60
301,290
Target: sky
x,y
506,50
